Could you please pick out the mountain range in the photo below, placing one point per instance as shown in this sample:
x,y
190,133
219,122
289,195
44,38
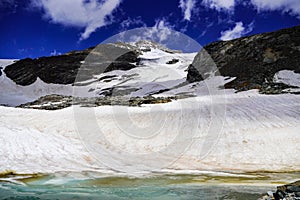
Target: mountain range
x,y
267,62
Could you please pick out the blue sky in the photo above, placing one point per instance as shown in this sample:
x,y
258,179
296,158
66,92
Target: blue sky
x,y
34,28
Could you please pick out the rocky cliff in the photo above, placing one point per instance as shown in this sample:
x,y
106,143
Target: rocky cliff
x,y
252,60
63,69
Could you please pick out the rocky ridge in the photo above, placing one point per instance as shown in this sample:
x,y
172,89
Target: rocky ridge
x,y
63,69
252,60
60,69
56,102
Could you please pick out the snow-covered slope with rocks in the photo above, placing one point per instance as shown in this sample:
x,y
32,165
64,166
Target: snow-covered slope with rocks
x,y
214,129
157,70
12,94
259,133
152,75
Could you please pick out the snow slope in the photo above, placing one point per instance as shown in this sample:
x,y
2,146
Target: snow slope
x,y
288,77
152,76
259,133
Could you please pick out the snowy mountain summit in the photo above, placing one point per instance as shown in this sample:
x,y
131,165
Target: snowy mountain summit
x,y
146,45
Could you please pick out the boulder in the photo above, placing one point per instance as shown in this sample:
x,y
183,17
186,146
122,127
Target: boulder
x,y
289,191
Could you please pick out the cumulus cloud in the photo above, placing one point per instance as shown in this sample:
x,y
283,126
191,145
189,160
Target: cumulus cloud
x,y
290,6
161,29
160,32
89,15
219,5
132,22
238,31
187,6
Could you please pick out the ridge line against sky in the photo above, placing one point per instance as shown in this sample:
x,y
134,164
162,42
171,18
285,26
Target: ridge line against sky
x,y
49,27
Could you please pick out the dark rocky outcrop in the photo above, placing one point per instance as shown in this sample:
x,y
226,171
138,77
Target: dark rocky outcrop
x,y
287,192
60,69
252,60
65,69
173,61
56,102
194,74
119,65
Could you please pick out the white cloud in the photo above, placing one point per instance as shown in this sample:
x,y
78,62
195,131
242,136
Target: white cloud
x,y
90,14
290,6
131,22
160,32
54,53
162,29
219,5
187,6
238,31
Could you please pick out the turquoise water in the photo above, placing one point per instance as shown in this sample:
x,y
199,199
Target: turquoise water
x,y
10,191
88,186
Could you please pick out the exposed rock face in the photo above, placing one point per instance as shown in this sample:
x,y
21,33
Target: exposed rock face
x,y
252,60
193,74
63,69
56,69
